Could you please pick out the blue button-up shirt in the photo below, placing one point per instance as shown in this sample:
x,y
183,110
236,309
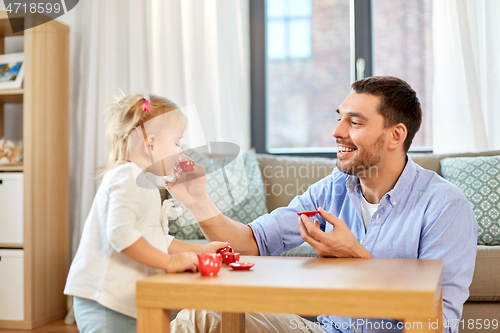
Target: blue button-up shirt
x,y
423,216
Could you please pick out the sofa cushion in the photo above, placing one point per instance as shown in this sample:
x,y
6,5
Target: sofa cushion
x,y
480,317
486,282
433,161
479,179
286,177
249,205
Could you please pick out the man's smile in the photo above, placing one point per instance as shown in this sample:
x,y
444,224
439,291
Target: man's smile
x,y
345,151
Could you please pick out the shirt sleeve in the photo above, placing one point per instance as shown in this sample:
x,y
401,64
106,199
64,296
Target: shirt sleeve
x,y
452,237
279,231
124,209
169,239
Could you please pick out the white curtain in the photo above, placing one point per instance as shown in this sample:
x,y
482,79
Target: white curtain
x,y
466,101
191,51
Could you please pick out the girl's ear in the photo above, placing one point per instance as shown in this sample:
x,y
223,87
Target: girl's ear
x,y
152,139
148,144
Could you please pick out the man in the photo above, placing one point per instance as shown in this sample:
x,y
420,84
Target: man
x,y
377,203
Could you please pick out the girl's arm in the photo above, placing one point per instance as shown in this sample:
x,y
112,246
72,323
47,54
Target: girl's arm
x,y
146,254
178,246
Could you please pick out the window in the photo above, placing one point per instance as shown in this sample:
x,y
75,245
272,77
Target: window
x,y
306,53
288,29
402,47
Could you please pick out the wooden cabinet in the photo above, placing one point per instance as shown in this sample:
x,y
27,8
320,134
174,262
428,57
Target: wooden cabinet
x,y
11,209
12,285
45,98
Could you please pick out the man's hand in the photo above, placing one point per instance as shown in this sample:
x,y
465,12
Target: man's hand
x,y
339,243
213,247
189,188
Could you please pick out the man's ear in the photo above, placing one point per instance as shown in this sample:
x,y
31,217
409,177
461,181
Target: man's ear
x,y
398,134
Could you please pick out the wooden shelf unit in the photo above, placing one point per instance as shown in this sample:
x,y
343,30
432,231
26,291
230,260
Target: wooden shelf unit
x,y
11,95
45,99
11,167
11,246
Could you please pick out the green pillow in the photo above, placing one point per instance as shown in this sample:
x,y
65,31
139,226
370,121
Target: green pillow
x,y
243,200
479,179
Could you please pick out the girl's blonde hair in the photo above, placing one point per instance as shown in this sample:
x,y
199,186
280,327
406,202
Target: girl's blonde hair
x,y
123,116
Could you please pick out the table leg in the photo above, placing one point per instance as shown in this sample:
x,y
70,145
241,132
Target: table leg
x,y
153,320
435,325
233,322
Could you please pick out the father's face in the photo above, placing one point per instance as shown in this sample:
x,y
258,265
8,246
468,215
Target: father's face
x,y
360,134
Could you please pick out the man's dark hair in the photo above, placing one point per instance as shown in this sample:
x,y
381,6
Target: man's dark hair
x,y
399,102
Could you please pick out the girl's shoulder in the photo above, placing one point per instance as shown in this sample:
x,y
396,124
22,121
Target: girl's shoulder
x,y
128,175
123,173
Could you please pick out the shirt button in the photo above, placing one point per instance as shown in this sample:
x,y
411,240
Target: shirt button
x,y
394,202
378,216
361,242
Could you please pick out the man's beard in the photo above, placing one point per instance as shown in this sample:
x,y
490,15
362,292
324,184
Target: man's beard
x,y
368,159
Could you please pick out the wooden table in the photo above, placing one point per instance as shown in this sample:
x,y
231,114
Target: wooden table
x,y
409,290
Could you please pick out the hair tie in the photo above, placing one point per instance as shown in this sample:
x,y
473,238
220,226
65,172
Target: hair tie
x,y
146,104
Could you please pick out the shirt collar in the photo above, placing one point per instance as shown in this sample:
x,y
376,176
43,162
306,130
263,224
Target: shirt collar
x,y
393,196
145,179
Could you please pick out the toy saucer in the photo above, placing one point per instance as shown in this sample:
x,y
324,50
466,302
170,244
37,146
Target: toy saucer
x,y
241,266
310,213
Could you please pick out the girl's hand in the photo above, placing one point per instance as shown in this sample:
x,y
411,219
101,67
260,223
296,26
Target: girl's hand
x,y
181,262
189,188
213,247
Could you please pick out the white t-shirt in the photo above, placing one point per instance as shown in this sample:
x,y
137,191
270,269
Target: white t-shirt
x,y
368,210
121,213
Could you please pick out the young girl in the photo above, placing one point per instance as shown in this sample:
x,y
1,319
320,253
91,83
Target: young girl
x,y
123,238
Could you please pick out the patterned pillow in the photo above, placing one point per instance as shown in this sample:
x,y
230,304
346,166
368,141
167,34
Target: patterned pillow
x,y
479,179
241,197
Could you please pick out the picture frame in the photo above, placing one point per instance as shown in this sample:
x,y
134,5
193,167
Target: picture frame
x,y
11,70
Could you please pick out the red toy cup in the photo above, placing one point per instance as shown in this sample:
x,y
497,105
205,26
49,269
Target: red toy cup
x,y
230,257
209,263
187,166
225,249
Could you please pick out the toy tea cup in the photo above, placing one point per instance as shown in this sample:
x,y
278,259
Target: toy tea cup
x,y
187,166
225,249
209,263
230,257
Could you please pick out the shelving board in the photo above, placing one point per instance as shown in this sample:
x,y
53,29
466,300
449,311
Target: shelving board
x,y
11,246
14,167
11,95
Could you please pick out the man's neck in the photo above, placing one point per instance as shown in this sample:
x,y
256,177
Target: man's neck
x,y
384,180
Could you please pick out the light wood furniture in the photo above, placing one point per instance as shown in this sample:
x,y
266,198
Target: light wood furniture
x,y
45,99
404,289
57,327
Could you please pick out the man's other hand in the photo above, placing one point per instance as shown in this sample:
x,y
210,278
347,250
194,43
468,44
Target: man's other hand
x,y
340,242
